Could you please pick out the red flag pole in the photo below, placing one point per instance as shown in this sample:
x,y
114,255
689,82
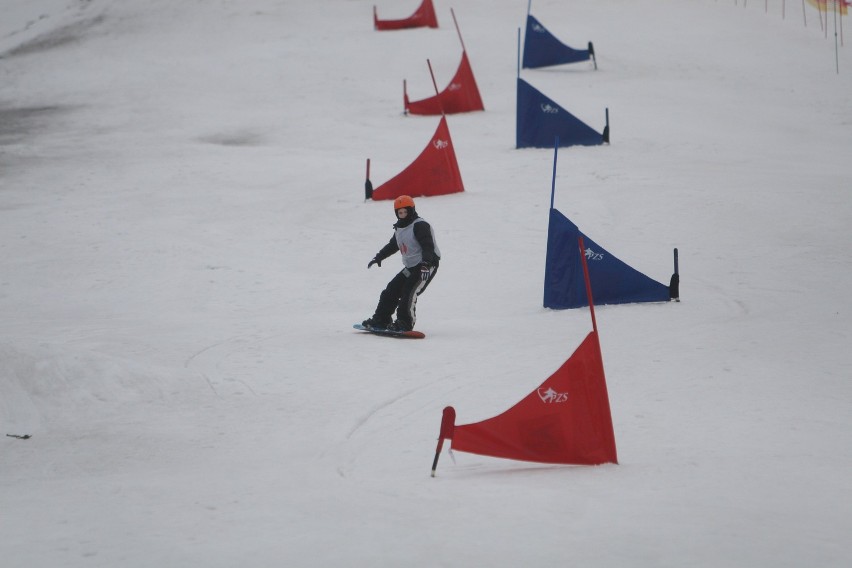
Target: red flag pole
x,y
458,30
595,331
588,283
368,185
435,84
448,425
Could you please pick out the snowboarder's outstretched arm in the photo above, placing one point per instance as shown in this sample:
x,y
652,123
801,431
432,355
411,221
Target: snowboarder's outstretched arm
x,y
387,250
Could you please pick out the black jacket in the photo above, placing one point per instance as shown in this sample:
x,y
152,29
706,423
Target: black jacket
x,y
423,234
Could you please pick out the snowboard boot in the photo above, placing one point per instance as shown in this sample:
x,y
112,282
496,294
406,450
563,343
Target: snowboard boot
x,y
399,326
373,323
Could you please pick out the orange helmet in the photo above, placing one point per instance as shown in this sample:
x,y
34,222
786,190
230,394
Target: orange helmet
x,y
402,201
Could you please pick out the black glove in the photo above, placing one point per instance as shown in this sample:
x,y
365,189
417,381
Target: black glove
x,y
425,272
374,261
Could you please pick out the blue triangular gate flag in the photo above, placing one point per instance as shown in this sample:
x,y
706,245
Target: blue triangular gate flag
x,y
542,49
540,120
612,281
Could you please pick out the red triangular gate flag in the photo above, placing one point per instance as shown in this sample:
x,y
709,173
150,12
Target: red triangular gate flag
x,y
423,17
434,172
461,95
566,420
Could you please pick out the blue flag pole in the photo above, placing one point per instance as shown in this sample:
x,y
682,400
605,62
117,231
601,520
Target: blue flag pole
x,y
519,53
553,182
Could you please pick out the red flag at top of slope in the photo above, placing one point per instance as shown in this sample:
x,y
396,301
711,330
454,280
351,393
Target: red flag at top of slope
x,y
434,172
423,17
566,420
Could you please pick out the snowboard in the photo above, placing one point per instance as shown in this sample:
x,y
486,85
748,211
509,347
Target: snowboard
x,y
389,333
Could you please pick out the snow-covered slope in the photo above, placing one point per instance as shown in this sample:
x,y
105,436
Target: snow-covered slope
x,y
183,249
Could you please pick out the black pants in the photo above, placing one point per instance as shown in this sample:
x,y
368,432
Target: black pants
x,y
400,295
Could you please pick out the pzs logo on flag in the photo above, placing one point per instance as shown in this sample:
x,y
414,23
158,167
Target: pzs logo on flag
x,y
454,87
538,28
592,255
550,396
549,109
440,144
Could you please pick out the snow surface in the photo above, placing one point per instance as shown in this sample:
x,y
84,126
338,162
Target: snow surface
x,y
183,250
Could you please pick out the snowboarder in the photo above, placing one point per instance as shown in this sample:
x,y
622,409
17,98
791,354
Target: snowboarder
x,y
414,238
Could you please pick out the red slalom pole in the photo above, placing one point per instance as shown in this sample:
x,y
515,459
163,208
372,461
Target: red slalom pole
x,y
448,425
435,84
588,283
368,185
458,31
